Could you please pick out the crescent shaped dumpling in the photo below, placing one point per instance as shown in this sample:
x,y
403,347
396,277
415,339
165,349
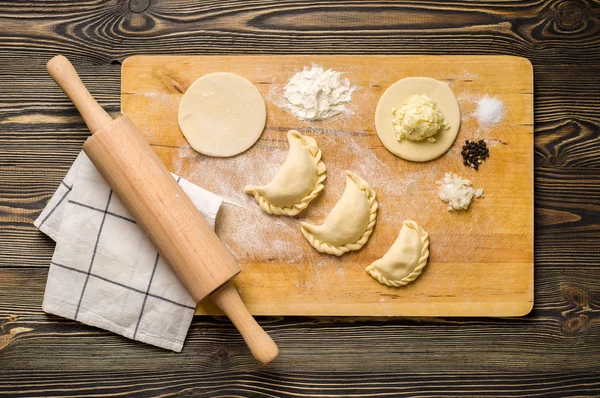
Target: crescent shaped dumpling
x,y
405,260
298,181
350,222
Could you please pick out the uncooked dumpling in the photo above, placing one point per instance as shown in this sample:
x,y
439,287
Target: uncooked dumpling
x,y
405,260
350,222
298,181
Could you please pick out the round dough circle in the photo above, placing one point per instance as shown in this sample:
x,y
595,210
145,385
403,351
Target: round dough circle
x,y
394,97
222,114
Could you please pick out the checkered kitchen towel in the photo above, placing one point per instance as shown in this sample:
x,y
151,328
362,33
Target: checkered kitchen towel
x,y
105,272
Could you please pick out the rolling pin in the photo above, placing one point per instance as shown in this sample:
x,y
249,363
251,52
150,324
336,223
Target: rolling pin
x,y
161,208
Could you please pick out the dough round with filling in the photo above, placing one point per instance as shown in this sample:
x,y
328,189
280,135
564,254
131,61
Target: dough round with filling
x,y
222,114
394,97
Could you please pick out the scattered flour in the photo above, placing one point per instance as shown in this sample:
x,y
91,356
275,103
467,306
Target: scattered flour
x,y
244,228
462,75
316,93
248,231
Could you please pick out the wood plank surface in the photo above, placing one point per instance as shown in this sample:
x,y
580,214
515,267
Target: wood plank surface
x,y
481,262
554,351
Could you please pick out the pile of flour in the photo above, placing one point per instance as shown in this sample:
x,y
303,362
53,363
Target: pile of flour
x,y
316,93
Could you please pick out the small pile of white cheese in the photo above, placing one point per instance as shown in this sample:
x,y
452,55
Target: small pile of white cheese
x,y
419,118
457,192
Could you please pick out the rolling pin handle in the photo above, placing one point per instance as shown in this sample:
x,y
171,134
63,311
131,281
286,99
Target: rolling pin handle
x,y
64,74
261,345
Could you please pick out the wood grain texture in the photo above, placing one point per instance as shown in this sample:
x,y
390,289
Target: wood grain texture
x,y
559,336
267,383
481,262
552,352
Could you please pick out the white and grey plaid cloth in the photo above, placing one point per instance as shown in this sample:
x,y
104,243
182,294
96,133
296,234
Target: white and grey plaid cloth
x,y
105,272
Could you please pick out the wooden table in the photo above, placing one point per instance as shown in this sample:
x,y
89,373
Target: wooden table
x,y
553,351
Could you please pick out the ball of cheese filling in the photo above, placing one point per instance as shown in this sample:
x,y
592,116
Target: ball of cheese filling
x,y
418,119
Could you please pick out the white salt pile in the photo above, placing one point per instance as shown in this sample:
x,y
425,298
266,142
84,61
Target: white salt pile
x,y
490,110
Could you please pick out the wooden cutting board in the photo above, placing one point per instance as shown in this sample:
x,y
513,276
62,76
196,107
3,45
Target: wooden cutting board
x,y
481,261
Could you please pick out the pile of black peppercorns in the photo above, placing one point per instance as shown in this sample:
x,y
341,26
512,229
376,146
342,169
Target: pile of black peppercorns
x,y
474,152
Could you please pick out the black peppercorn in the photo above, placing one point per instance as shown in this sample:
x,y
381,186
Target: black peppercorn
x,y
474,153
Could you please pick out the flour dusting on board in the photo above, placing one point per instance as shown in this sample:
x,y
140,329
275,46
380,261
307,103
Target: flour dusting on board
x,y
462,75
262,169
359,158
248,231
243,226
